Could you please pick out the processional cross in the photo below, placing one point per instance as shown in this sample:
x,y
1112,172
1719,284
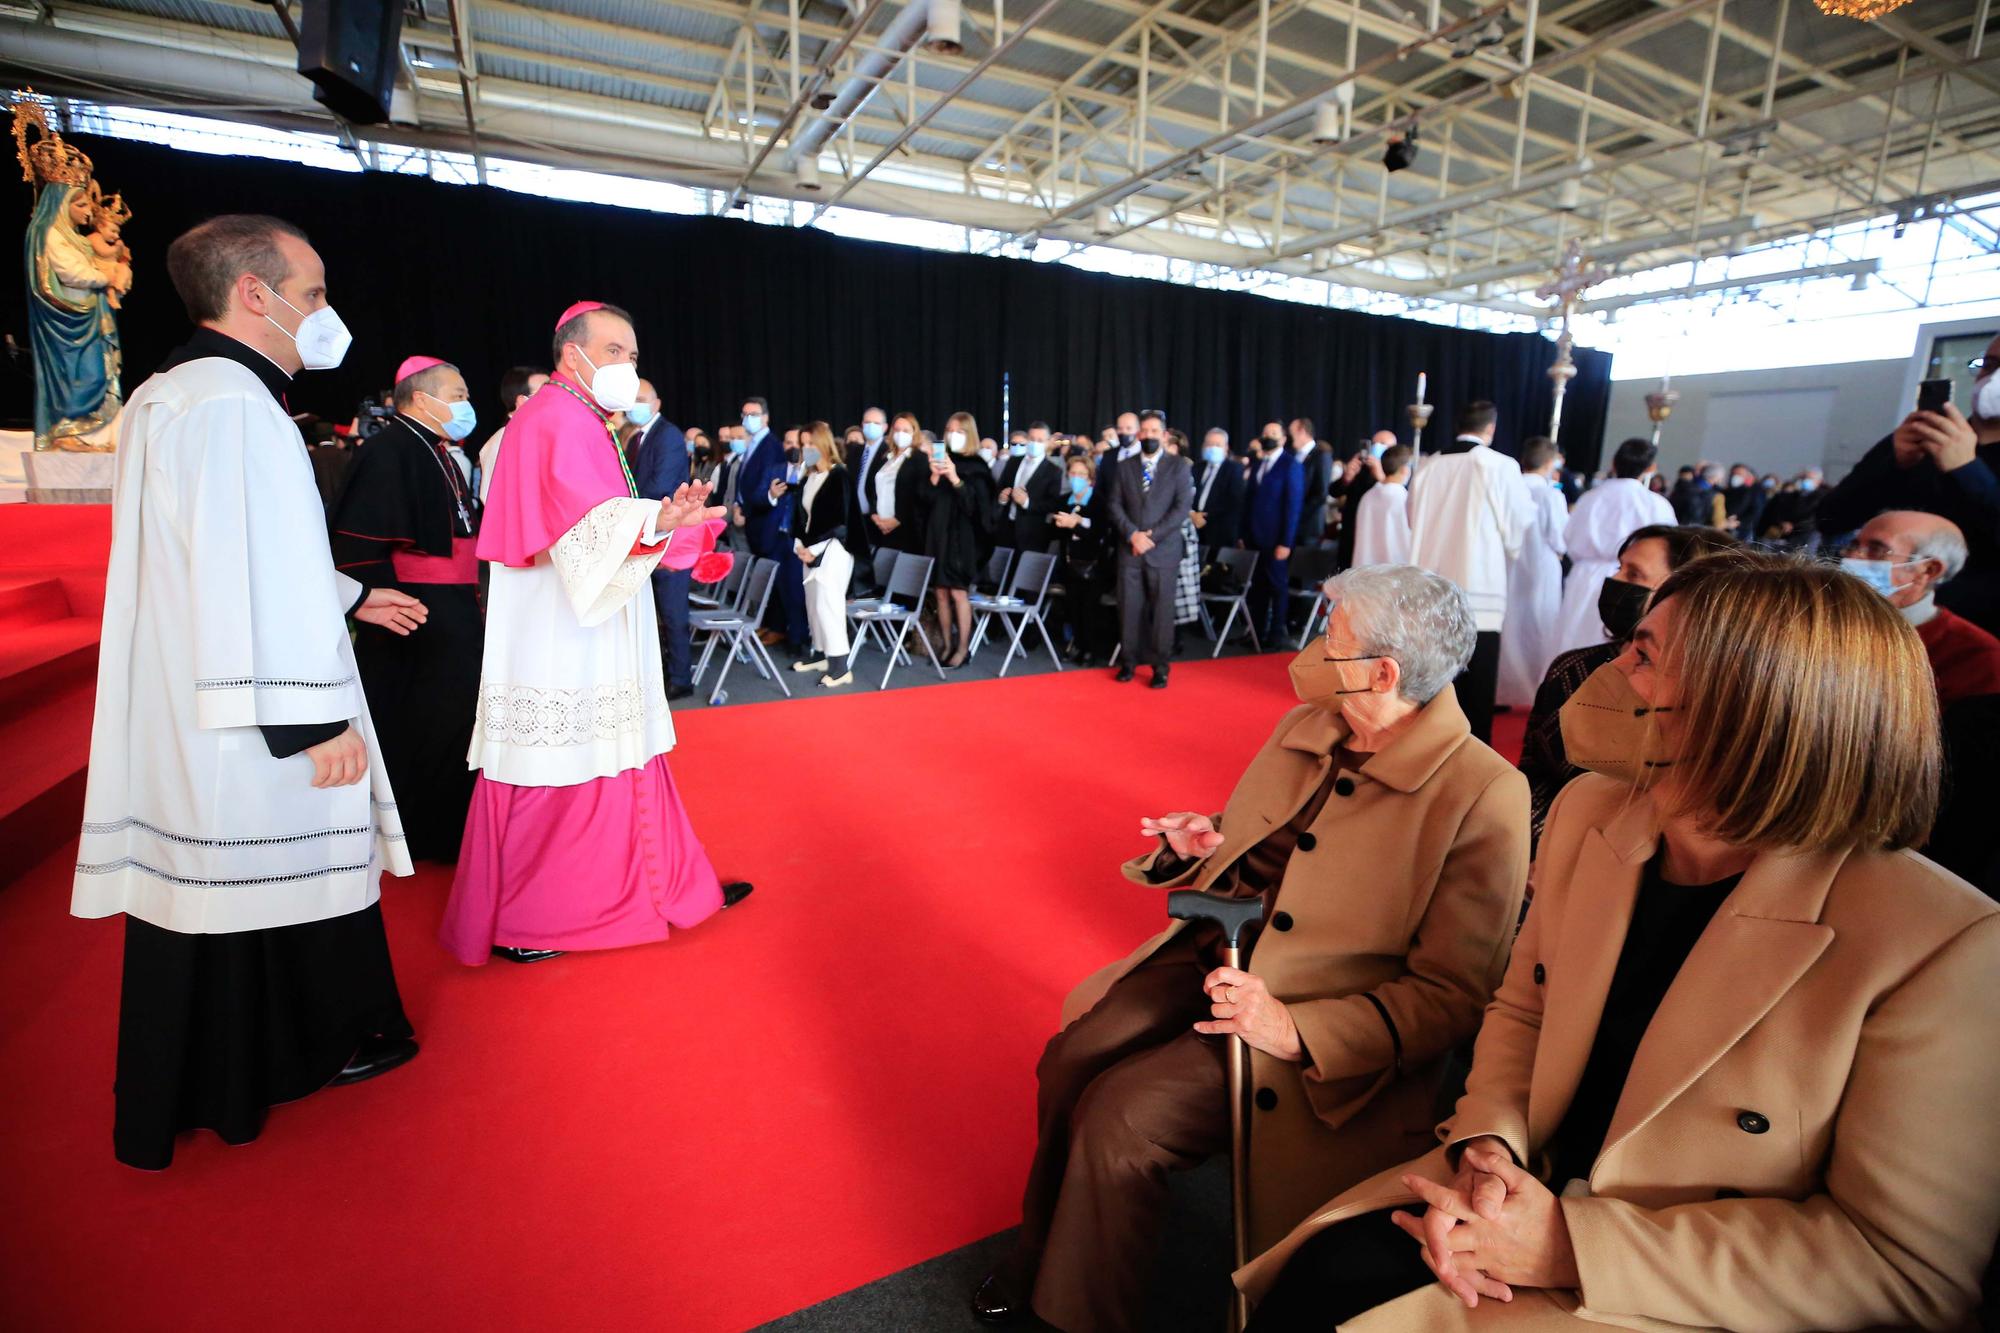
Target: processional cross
x,y
1573,276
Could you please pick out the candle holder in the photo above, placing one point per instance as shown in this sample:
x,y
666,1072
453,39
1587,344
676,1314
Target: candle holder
x,y
1659,406
1560,374
1420,416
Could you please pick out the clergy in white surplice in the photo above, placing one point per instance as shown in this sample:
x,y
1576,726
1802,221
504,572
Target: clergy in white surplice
x,y
1604,517
1534,579
237,812
577,838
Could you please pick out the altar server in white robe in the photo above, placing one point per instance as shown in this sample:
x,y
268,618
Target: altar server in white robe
x,y
577,837
1534,580
1382,515
1604,517
237,811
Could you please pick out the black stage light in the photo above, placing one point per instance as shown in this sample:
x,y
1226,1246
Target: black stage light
x,y
1402,150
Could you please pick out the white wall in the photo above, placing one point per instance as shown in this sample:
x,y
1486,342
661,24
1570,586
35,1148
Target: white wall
x,y
1778,421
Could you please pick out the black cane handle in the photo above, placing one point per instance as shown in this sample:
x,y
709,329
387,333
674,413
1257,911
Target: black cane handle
x,y
1232,914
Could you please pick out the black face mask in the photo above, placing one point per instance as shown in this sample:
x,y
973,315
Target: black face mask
x,y
1272,441
1621,606
1124,440
1149,447
792,454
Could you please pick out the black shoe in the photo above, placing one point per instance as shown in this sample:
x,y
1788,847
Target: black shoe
x,y
1159,681
680,692
377,1055
525,955
992,1305
733,894
1125,673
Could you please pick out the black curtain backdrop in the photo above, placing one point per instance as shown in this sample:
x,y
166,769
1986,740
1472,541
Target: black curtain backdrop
x,y
821,325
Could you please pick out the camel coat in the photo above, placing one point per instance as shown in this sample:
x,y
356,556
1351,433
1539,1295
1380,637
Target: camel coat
x,y
1807,1137
1407,891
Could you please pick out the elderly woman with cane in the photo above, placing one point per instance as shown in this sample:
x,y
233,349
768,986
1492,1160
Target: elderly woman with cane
x,y
1389,850
1736,1077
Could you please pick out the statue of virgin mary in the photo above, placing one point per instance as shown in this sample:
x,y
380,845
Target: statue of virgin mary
x,y
72,323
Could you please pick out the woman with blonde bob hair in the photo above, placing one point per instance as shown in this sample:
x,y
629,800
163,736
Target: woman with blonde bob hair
x,y
1737,1075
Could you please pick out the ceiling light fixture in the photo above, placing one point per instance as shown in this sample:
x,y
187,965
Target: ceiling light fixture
x,y
1865,11
944,27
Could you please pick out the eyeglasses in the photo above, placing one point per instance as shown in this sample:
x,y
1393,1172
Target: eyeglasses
x,y
1874,551
1978,364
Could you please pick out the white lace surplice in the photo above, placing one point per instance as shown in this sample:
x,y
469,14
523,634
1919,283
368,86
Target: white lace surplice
x,y
571,687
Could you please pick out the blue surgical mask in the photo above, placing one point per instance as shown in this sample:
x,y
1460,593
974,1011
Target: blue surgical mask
x,y
1808,484
1378,449
1079,487
1017,449
753,422
738,446
1213,453
639,413
809,457
1877,574
1037,450
464,416
872,431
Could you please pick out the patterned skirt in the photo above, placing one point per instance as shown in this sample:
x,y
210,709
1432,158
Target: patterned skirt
x,y
1187,582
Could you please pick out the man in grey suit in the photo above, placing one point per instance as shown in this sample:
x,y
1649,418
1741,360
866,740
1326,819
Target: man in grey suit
x,y
1150,497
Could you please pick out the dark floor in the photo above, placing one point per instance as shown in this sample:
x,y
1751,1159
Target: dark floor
x,y
743,685
1190,1289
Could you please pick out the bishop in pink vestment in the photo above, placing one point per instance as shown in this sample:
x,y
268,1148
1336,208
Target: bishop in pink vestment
x,y
577,838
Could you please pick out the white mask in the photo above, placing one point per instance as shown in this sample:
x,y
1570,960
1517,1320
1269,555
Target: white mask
x,y
615,387
956,439
902,439
988,455
1986,399
322,339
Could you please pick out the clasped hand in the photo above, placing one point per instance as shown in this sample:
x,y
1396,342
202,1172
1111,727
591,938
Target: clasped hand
x,y
1494,1228
1141,543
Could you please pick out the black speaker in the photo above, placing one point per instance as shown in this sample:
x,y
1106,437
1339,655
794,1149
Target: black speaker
x,y
348,49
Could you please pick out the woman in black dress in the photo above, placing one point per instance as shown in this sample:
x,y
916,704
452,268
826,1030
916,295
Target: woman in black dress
x,y
1086,572
959,506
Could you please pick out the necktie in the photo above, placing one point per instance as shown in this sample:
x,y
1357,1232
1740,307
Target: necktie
x,y
1146,474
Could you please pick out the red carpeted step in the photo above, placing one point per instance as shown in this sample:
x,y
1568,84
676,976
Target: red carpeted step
x,y
41,784
39,659
26,599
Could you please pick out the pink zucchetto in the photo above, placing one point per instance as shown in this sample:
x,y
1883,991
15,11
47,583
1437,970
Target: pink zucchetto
x,y
415,364
580,308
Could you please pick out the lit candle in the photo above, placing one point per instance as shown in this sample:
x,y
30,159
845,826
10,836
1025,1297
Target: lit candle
x,y
1422,380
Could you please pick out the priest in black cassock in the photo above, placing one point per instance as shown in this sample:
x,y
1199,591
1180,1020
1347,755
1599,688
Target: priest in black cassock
x,y
407,520
237,815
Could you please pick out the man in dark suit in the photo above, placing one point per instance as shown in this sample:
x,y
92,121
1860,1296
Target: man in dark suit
x,y
764,489
1219,486
1151,493
1271,527
1316,461
1031,488
867,449
660,467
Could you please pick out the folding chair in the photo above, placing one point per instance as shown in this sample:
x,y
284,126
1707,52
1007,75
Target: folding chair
x,y
1308,574
736,632
1238,567
728,593
994,581
911,579
1021,608
885,564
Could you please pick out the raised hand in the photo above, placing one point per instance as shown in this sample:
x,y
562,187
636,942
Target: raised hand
x,y
1191,836
686,507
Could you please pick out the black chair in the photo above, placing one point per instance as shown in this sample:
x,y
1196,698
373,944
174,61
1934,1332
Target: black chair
x,y
1238,567
1307,575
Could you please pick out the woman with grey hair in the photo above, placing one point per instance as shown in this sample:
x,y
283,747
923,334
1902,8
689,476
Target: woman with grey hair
x,y
1389,850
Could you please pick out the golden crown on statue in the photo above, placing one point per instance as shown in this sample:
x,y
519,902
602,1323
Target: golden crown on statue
x,y
113,210
48,160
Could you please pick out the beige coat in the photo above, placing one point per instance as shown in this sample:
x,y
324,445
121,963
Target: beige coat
x,y
1842,1002
1409,893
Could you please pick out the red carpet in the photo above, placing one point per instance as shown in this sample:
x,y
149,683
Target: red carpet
x,y
824,1086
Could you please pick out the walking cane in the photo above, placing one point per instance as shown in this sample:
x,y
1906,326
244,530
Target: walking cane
x,y
1232,915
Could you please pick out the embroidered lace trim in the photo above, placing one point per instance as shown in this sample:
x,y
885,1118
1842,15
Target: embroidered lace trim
x,y
529,715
